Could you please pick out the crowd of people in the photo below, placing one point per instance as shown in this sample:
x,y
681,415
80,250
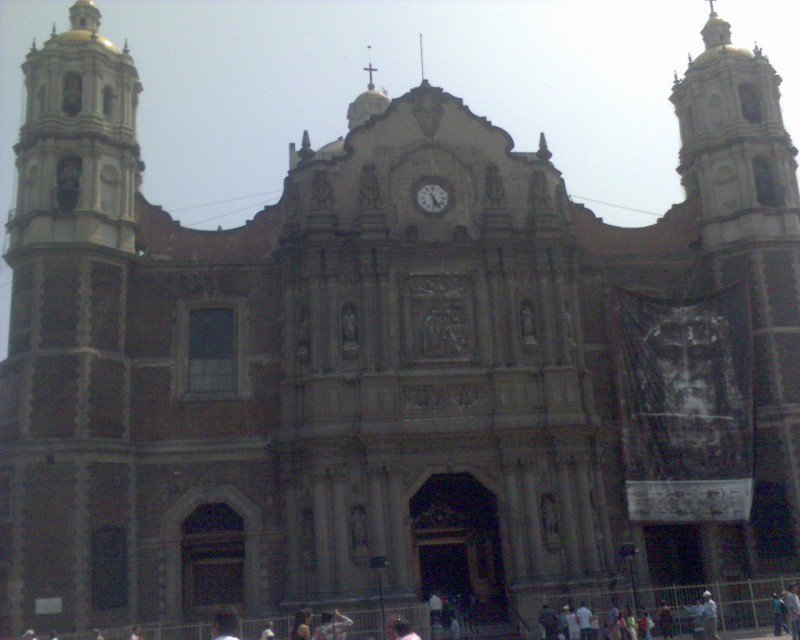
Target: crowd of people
x,y
567,624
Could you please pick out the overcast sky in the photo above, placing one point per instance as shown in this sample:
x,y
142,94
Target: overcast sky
x,y
228,84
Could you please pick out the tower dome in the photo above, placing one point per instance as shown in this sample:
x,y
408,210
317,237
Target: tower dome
x,y
717,39
84,19
370,103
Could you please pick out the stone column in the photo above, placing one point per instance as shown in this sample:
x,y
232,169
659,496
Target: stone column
x,y
585,514
82,545
534,519
513,514
322,528
568,524
293,537
377,534
548,332
315,313
602,512
400,560
341,539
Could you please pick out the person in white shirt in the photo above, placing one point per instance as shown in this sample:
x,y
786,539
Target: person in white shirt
x,y
226,624
435,608
710,617
793,605
584,615
398,628
333,626
268,633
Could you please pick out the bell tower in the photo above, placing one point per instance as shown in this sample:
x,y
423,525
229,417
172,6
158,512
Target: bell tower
x,y
64,396
736,154
77,157
737,157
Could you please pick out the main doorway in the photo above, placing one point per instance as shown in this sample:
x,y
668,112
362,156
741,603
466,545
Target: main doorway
x,y
457,545
675,554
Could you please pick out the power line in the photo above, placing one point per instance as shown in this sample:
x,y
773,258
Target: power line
x,y
208,204
618,206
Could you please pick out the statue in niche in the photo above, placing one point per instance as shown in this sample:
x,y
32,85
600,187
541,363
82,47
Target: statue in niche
x,y
768,191
303,335
358,529
321,191
349,328
527,323
540,192
307,545
72,102
369,191
495,189
550,527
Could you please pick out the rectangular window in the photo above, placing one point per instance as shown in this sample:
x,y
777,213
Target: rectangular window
x,y
109,568
212,368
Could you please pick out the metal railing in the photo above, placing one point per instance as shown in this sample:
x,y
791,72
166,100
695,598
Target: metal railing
x,y
741,606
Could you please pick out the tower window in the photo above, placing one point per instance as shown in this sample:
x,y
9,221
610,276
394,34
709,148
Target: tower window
x,y
68,186
108,102
212,367
750,101
768,191
72,102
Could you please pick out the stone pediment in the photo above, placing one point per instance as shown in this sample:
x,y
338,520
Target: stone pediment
x,y
425,170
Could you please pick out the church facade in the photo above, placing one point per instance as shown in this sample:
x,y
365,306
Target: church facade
x,y
414,364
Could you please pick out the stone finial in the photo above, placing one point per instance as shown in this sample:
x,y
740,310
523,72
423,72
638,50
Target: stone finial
x,y
306,152
543,152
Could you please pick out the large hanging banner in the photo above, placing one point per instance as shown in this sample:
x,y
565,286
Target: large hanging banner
x,y
685,395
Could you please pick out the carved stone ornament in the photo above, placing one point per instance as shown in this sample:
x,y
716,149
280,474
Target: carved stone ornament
x,y
540,192
428,109
441,318
550,524
440,516
321,191
527,323
443,397
349,328
369,190
495,189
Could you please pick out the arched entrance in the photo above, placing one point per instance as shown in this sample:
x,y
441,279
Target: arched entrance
x,y
457,544
212,556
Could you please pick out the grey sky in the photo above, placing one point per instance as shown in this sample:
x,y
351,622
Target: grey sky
x,y
228,84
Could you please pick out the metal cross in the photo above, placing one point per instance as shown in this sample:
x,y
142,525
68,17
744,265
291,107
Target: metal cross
x,y
711,4
370,68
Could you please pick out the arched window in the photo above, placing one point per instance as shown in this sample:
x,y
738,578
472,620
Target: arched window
x,y
68,186
108,102
750,101
212,363
72,100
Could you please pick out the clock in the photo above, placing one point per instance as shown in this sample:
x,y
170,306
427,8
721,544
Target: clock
x,y
432,197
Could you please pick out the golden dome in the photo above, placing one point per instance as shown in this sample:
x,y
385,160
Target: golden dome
x,y
722,51
83,35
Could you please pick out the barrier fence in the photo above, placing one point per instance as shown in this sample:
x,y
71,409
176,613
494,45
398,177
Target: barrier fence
x,y
740,606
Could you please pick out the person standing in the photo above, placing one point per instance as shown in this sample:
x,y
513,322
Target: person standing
x,y
301,629
435,608
572,625
666,624
612,631
549,621
333,626
398,628
268,633
225,625
779,611
709,617
584,615
793,605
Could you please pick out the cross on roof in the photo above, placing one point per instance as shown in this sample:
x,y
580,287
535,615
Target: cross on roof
x,y
711,4
370,68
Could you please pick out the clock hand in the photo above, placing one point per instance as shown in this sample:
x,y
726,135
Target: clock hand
x,y
435,201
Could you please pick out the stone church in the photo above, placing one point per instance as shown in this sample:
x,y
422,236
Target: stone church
x,y
424,363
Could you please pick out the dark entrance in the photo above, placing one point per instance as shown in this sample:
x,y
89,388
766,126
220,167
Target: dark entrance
x,y
457,539
675,554
212,547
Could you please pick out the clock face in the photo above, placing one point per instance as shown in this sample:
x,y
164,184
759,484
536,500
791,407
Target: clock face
x,y
432,198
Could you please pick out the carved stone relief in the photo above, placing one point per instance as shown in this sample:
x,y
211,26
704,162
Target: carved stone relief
x,y
443,397
440,318
527,323
540,192
369,190
495,189
349,329
428,109
321,191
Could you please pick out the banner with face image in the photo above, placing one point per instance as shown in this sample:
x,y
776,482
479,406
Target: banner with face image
x,y
684,371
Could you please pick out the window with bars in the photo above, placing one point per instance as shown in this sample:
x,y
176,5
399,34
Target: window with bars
x,y
212,363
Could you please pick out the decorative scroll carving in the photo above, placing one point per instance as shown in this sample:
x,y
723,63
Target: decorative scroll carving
x,y
441,516
321,191
369,190
495,189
